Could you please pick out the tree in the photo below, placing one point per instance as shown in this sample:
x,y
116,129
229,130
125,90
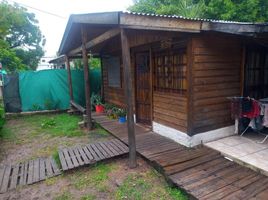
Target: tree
x,y
186,8
20,38
234,10
238,10
93,63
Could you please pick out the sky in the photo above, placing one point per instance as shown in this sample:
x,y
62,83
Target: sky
x,y
53,25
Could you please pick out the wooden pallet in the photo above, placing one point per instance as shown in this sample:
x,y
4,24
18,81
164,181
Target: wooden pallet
x,y
78,156
27,173
202,172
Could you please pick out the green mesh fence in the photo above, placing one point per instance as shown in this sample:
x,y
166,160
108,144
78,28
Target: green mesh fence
x,y
48,89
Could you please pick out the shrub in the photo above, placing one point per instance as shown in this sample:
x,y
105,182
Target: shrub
x,y
96,99
2,114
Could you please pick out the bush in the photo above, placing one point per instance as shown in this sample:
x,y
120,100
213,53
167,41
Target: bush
x,y
2,114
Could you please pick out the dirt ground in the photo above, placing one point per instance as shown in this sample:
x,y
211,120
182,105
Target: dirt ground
x,y
40,136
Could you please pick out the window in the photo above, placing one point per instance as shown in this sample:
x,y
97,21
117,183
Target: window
x,y
112,65
170,71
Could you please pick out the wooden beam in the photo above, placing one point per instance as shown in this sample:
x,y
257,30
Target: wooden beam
x,y
102,38
86,78
129,97
102,84
67,61
144,22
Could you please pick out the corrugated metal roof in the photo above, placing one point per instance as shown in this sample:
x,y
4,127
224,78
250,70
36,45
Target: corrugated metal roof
x,y
115,19
189,18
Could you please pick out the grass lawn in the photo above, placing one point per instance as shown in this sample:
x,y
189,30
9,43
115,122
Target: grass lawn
x,y
42,135
29,137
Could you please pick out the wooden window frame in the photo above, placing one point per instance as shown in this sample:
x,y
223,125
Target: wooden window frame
x,y
119,86
170,71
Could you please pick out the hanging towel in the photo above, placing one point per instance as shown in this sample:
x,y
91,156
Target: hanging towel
x,y
246,105
255,111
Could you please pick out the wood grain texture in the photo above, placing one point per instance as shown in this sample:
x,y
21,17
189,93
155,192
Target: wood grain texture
x,y
216,75
170,109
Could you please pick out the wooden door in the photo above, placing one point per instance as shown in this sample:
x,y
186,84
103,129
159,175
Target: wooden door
x,y
143,88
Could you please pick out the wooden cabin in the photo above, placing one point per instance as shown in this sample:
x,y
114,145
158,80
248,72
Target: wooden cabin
x,y
182,70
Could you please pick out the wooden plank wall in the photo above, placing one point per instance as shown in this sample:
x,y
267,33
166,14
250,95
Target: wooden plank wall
x,y
136,38
215,76
170,109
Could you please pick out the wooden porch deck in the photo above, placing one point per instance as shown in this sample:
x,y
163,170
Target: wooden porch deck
x,y
202,172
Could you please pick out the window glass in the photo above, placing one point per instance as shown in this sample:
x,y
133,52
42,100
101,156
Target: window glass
x,y
112,65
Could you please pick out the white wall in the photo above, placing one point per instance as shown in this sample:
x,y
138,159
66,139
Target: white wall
x,y
190,141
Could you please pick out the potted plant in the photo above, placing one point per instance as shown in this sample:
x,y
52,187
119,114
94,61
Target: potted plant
x,y
121,114
97,102
110,110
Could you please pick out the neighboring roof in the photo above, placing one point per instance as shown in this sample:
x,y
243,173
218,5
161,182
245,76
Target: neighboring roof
x,y
58,60
101,22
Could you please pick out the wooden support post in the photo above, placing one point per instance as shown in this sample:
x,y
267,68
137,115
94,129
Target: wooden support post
x,y
86,78
129,98
102,84
67,61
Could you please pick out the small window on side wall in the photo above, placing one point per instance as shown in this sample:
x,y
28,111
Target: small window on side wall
x,y
112,65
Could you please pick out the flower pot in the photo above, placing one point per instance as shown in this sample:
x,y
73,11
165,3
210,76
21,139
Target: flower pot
x,y
122,119
99,108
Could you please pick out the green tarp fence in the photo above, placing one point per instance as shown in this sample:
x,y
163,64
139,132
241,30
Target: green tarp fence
x,y
48,89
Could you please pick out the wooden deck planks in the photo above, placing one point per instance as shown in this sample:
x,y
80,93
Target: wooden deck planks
x,y
5,181
27,173
2,173
78,156
203,172
42,169
14,177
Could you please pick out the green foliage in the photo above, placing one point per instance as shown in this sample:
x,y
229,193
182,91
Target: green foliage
x,y
186,8
88,197
64,196
7,134
2,115
10,60
95,99
235,10
133,187
21,41
110,110
238,10
148,185
176,194
56,157
48,123
114,112
96,177
93,63
121,112
57,125
36,107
